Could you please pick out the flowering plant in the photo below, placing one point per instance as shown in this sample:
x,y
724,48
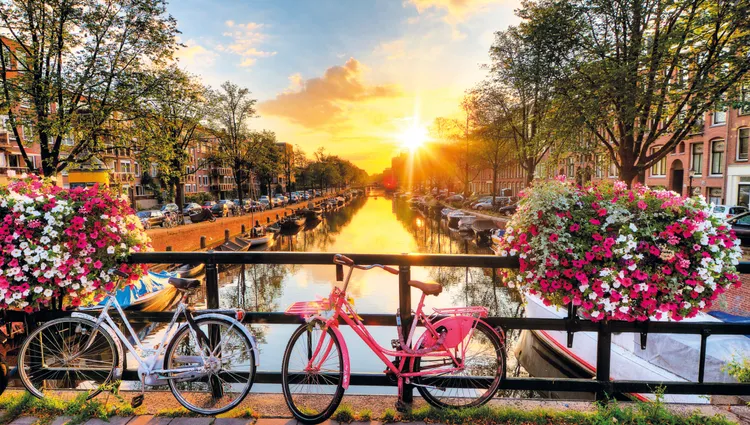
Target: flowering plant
x,y
62,243
618,253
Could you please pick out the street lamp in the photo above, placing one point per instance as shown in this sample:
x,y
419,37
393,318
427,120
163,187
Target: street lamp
x,y
691,174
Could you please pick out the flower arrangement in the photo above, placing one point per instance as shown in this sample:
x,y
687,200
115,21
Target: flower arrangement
x,y
619,253
60,244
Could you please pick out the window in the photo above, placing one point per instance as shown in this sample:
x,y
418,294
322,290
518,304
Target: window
x,y
660,168
696,162
717,157
743,137
745,99
571,167
681,147
613,169
125,167
720,117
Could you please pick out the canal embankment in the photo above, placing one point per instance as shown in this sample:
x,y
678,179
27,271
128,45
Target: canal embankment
x,y
188,237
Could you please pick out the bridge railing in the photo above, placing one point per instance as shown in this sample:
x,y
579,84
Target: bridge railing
x,y
601,384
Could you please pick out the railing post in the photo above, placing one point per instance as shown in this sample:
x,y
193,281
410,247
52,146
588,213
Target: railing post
x,y
212,282
226,235
203,242
603,360
404,305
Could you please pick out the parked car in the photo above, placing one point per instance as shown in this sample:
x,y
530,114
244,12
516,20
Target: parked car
x,y
293,198
281,200
191,208
455,198
151,218
726,212
741,226
266,201
509,210
170,208
224,208
208,204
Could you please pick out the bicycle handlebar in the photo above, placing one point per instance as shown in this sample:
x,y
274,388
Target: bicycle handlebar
x,y
346,261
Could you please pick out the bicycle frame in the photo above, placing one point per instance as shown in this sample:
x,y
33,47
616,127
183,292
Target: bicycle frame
x,y
104,317
339,304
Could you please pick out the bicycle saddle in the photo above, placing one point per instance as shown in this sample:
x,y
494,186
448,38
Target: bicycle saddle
x,y
181,283
427,288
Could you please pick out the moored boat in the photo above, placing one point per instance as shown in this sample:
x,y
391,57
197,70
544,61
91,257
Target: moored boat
x,y
292,222
455,216
483,228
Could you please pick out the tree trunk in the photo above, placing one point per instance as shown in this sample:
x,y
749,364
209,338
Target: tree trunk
x,y
179,192
629,174
530,170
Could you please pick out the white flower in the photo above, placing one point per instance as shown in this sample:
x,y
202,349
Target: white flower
x,y
110,250
633,227
38,289
595,314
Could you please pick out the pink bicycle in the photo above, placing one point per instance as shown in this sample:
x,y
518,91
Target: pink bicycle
x,y
459,360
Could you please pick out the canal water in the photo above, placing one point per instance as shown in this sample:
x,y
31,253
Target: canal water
x,y
366,225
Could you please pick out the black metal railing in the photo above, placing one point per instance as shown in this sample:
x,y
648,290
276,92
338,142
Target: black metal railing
x,y
601,385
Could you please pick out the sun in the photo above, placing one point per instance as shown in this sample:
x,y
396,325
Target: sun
x,y
414,137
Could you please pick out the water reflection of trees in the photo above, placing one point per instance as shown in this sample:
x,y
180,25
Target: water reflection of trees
x,y
253,287
321,236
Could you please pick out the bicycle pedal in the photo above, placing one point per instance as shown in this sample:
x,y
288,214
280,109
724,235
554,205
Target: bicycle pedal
x,y
136,401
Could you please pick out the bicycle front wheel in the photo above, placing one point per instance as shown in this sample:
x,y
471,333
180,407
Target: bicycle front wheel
x,y
313,389
67,354
483,368
224,379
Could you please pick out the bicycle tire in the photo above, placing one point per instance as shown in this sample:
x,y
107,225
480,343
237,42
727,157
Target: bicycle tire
x,y
424,383
73,330
179,342
301,412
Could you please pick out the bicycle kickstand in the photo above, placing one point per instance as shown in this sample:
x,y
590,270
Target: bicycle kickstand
x,y
402,406
138,400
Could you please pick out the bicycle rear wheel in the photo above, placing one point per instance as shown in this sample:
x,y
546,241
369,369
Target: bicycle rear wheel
x,y
313,395
222,383
484,368
55,358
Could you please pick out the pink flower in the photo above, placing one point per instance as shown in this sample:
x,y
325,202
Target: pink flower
x,y
574,227
642,205
553,237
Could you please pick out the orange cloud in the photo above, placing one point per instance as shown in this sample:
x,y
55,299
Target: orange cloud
x,y
323,102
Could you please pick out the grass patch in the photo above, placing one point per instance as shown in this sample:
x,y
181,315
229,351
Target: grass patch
x,y
343,414
246,413
390,415
654,413
364,415
48,408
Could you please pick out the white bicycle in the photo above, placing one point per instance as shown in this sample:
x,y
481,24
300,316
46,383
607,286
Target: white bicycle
x,y
209,361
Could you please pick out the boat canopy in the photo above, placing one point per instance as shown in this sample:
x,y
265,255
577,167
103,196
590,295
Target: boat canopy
x,y
148,284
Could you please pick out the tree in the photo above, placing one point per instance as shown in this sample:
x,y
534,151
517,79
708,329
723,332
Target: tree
x,y
462,148
69,66
230,111
641,73
494,134
523,77
167,124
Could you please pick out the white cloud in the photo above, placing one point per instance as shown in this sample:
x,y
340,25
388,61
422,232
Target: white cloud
x,y
195,54
245,39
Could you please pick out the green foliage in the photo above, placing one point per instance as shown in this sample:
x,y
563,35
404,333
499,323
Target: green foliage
x,y
343,414
48,408
639,92
89,59
389,416
739,368
364,415
199,197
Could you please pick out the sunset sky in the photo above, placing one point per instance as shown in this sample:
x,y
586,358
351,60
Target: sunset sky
x,y
350,75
